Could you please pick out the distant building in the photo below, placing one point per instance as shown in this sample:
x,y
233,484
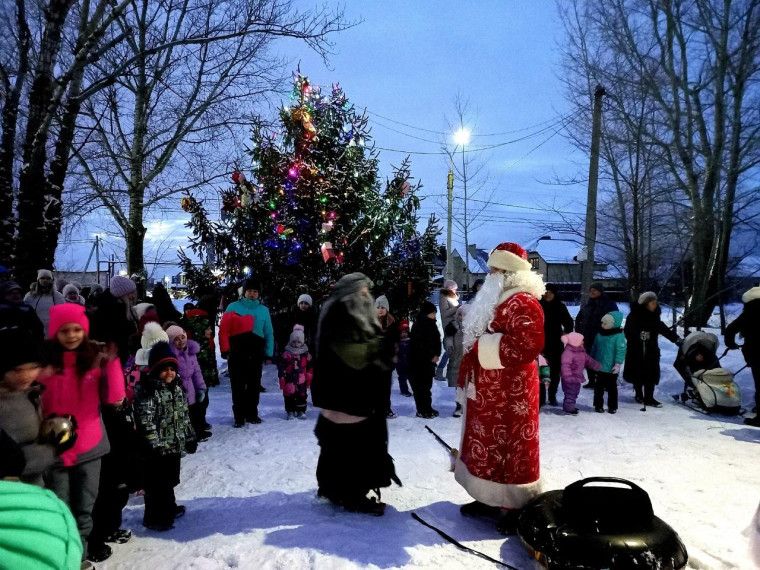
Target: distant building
x,y
478,260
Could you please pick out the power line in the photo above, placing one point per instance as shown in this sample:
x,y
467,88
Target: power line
x,y
448,134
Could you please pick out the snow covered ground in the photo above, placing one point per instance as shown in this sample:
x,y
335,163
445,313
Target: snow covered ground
x,y
251,498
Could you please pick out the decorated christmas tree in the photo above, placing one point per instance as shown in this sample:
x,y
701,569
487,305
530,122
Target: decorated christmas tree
x,y
312,208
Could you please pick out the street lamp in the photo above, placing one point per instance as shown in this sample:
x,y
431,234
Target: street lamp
x,y
462,137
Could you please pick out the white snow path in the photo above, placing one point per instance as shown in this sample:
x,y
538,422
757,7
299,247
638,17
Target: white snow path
x,y
251,501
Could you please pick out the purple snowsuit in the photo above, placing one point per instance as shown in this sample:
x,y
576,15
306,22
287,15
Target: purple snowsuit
x,y
189,370
574,361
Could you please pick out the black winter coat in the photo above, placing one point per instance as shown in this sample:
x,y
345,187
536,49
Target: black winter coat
x,y
642,357
589,319
557,321
748,326
424,344
350,365
284,322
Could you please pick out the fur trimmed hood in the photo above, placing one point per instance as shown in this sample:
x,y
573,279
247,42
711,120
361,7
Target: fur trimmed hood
x,y
751,295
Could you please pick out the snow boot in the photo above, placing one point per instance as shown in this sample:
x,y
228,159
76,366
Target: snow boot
x,y
391,415
478,509
99,551
599,410
179,511
290,416
458,411
300,415
119,536
652,403
754,422
253,420
239,423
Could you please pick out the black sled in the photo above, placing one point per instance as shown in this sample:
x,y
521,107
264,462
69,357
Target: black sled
x,y
589,527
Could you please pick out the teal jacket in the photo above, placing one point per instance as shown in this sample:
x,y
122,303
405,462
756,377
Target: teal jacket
x,y
609,345
262,322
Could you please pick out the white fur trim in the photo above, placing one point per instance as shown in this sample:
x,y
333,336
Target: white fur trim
x,y
524,282
507,261
460,397
494,494
751,295
488,351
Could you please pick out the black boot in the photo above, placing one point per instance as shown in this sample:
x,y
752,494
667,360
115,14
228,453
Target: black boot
x,y
508,522
478,509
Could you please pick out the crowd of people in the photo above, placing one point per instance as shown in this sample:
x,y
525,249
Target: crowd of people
x,y
96,387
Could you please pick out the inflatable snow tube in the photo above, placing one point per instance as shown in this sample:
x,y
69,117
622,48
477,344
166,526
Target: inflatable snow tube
x,y
588,526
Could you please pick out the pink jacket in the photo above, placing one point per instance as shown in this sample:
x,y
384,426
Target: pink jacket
x,y
574,361
68,394
189,370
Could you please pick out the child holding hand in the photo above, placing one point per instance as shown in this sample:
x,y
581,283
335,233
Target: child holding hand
x,y
296,374
574,361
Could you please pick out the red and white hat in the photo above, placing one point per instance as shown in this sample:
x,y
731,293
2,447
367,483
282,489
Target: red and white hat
x,y
509,256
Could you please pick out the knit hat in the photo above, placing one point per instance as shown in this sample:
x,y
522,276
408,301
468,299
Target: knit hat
x,y
509,256
252,283
9,286
17,351
121,286
96,288
382,302
552,288
608,322
174,331
297,334
70,288
39,530
60,283
44,273
426,307
573,339
67,313
450,284
142,308
153,333
751,295
647,296
305,298
161,356
598,286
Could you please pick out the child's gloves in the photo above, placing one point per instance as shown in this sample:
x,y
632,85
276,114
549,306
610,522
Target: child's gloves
x,y
191,447
616,368
200,395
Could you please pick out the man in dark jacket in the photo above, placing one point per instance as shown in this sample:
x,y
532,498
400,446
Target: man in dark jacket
x,y
557,321
589,320
302,313
748,326
349,366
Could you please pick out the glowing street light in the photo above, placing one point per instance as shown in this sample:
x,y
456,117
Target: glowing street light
x,y
462,137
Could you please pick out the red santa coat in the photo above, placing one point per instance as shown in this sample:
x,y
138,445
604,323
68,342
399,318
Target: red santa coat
x,y
498,462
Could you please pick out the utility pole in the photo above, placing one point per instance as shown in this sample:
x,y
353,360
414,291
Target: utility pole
x,y
587,268
450,188
466,224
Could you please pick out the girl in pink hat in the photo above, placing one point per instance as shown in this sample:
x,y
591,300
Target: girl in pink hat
x,y
79,376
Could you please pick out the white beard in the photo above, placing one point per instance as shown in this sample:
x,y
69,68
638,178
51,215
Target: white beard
x,y
482,309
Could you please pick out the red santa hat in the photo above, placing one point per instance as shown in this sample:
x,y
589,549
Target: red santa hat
x,y
509,256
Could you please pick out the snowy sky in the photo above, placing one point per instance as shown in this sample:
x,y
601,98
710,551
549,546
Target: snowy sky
x,y
405,63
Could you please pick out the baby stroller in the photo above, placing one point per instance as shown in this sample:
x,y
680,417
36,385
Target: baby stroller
x,y
706,384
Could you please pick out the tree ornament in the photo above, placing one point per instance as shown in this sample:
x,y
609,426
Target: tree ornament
x,y
328,253
238,177
327,227
188,203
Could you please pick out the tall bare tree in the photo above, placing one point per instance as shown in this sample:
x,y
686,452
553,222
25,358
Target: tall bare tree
x,y
156,130
694,66
90,48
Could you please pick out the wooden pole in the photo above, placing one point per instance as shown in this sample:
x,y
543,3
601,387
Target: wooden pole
x,y
587,269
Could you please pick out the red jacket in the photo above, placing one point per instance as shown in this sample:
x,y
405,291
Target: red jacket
x,y
233,324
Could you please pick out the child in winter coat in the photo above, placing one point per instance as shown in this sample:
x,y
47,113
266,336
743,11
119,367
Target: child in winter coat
x,y
424,350
164,426
20,413
78,378
296,374
190,378
402,358
609,350
574,360
200,328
